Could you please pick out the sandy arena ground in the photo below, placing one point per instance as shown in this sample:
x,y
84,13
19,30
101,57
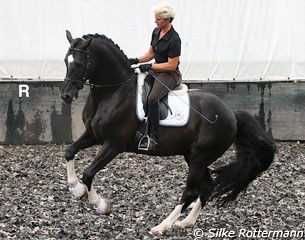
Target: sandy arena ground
x,y
35,202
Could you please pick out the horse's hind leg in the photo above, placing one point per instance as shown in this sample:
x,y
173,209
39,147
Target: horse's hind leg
x,y
206,189
104,156
192,216
190,194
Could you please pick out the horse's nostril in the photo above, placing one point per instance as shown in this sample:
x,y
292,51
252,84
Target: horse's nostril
x,y
66,98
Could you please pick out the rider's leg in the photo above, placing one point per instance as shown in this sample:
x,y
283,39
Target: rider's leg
x,y
163,83
153,123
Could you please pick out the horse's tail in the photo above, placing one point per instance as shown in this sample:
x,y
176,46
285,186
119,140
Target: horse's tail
x,y
255,153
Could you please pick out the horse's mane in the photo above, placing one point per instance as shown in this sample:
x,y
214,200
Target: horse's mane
x,y
110,43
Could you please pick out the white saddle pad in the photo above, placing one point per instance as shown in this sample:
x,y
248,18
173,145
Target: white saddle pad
x,y
178,101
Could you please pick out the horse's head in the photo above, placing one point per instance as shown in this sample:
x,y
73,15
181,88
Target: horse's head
x,y
105,65
78,66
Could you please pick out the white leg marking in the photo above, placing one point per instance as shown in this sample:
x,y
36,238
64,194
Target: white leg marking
x,y
101,205
192,217
94,199
76,187
72,178
191,205
168,222
79,190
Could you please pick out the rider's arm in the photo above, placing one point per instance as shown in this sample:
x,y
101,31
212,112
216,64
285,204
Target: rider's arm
x,y
170,65
149,55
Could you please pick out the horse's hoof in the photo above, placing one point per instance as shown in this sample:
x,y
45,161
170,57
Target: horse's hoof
x,y
84,198
183,224
156,231
104,206
79,190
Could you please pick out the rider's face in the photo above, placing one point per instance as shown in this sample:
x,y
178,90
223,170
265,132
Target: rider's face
x,y
160,22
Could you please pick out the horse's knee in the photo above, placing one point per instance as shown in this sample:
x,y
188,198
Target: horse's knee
x,y
70,153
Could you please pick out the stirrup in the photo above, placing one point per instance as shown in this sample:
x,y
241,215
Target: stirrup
x,y
143,140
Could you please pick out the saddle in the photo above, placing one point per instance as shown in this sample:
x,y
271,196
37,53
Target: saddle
x,y
174,107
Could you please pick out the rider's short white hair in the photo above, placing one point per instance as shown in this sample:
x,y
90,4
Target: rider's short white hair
x,y
164,10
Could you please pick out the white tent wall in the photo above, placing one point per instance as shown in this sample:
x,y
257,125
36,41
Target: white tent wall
x,y
221,39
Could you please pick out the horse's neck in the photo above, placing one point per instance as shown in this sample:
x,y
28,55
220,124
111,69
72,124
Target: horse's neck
x,y
111,68
113,96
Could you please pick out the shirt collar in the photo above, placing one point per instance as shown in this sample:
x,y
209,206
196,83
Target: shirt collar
x,y
167,35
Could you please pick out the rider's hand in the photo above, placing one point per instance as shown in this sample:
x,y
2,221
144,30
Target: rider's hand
x,y
145,67
133,61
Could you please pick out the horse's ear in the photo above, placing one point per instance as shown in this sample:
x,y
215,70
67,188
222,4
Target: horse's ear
x,y
69,36
87,44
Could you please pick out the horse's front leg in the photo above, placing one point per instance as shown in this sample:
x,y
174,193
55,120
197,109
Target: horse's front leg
x,y
85,141
103,157
78,189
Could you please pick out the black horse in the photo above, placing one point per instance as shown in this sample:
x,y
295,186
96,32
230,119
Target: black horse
x,y
110,120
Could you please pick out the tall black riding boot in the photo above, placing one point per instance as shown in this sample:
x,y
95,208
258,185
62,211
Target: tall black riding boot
x,y
153,126
153,123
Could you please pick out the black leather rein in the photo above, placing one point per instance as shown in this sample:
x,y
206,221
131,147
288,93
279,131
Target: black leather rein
x,y
79,83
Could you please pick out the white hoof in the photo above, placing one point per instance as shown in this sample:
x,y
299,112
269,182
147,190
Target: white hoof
x,y
104,206
79,190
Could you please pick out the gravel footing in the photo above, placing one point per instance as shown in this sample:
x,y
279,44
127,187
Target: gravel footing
x,y
35,202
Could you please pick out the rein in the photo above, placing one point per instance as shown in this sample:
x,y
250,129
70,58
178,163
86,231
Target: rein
x,y
79,83
91,85
195,110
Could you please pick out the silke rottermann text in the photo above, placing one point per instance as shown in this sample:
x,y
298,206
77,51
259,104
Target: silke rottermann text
x,y
255,233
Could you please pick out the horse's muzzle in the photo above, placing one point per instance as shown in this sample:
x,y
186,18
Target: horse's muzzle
x,y
68,98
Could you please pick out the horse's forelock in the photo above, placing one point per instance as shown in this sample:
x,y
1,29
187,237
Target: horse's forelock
x,y
76,42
